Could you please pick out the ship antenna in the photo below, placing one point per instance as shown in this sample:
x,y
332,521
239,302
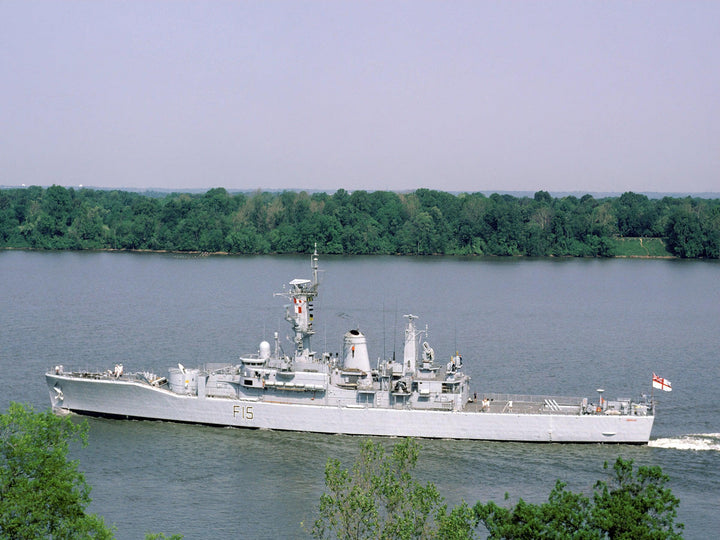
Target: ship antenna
x,y
314,266
395,332
384,330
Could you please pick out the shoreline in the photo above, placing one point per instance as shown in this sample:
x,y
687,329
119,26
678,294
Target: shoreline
x,y
227,253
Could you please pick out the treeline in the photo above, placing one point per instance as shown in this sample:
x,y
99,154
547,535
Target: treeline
x,y
423,222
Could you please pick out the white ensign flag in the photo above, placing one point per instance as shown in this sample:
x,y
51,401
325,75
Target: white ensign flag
x,y
662,384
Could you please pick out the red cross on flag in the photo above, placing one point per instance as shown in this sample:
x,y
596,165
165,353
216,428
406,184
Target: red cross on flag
x,y
662,384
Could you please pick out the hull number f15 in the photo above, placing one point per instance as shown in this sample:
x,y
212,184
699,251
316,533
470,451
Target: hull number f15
x,y
246,413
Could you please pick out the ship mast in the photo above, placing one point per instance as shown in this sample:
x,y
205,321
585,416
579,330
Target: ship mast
x,y
300,312
411,341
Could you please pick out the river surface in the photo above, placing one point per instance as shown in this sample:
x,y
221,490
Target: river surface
x,y
547,326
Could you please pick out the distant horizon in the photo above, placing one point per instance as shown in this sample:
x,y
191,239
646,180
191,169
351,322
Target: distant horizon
x,y
516,193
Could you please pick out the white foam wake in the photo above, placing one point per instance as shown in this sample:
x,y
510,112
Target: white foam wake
x,y
697,441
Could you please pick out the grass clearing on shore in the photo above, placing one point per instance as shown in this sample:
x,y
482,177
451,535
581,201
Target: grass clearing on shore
x,y
640,247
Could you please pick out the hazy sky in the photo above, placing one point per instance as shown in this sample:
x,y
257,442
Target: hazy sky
x,y
467,96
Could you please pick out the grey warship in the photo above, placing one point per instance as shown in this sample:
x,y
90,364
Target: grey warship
x,y
412,396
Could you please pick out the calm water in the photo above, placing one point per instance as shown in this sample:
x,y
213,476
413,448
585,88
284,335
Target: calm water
x,y
543,326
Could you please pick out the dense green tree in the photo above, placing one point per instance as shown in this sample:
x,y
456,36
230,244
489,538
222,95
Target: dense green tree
x,y
566,515
246,240
9,222
685,234
379,498
341,198
258,212
42,493
635,215
543,198
323,229
636,504
386,207
712,233
88,227
57,202
360,202
633,505
284,239
471,227
217,201
537,241
504,226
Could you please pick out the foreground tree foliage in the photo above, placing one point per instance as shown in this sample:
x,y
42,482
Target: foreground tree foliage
x,y
634,505
42,494
423,222
378,498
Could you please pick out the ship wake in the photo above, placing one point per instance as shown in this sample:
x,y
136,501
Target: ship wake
x,y
697,442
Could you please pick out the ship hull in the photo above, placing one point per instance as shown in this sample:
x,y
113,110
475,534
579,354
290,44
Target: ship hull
x,y
131,399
